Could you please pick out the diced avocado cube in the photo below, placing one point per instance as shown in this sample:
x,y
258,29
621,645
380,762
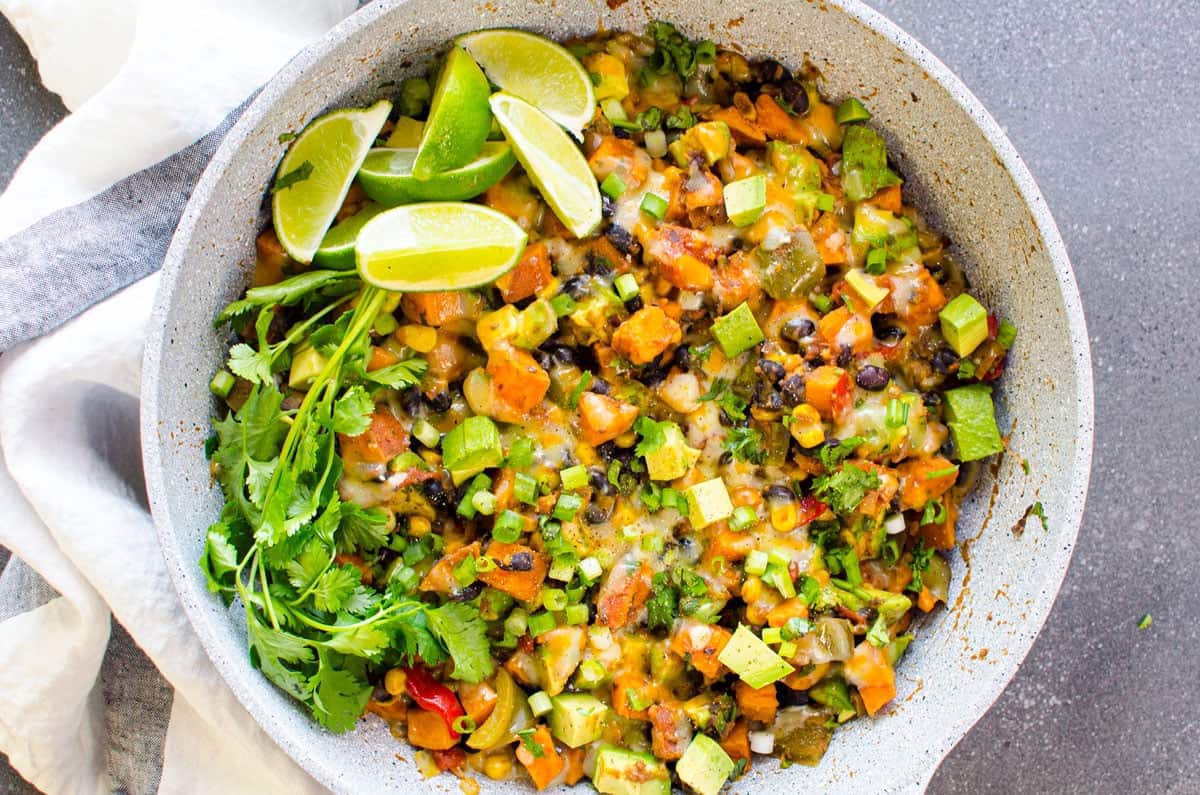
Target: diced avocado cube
x,y
613,82
471,447
866,289
747,656
972,421
711,139
674,458
964,324
559,653
708,502
577,718
621,772
704,766
745,199
406,134
307,364
536,323
738,331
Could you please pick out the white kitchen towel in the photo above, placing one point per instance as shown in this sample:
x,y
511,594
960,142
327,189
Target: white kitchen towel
x,y
144,79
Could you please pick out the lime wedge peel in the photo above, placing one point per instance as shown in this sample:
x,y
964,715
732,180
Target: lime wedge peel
x,y
553,162
386,176
537,70
459,120
438,246
331,149
337,247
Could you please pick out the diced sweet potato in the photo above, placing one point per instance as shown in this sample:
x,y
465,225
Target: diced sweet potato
x,y
776,122
531,274
441,577
888,199
827,389
736,281
520,570
680,255
646,335
744,131
602,418
830,239
517,379
623,594
916,485
441,308
428,730
700,644
383,440
940,535
756,703
670,731
869,671
622,157
543,767
737,742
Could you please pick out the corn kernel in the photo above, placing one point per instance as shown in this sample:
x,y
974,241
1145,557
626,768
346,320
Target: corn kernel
x,y
806,426
497,766
420,338
495,327
627,439
587,454
784,517
418,526
395,682
752,589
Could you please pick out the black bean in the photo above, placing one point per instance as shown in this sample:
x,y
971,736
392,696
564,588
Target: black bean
x,y
620,237
519,561
726,458
885,327
793,391
779,493
598,266
576,286
598,478
634,304
872,378
795,95
607,206
771,71
815,361
798,328
845,356
931,399
621,133
472,590
681,358
790,698
772,370
600,386
944,360
543,358
585,358
412,400
767,398
437,495
654,373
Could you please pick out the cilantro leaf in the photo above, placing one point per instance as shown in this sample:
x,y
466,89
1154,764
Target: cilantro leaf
x,y
275,644
464,635
307,566
921,557
219,561
367,641
663,604
844,490
254,366
339,696
653,433
289,292
745,444
361,528
832,454
352,412
415,639
727,400
297,174
400,375
335,587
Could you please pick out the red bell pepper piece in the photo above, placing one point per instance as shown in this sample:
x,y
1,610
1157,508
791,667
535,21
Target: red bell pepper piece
x,y
432,695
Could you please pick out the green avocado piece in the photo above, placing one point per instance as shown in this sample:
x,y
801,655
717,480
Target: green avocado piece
x,y
620,772
964,324
737,331
577,718
754,661
972,421
471,447
674,458
704,766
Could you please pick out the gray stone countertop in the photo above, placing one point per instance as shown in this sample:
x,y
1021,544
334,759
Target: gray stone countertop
x,y
1101,100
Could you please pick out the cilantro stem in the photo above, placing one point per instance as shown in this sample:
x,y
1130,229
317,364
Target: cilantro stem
x,y
371,619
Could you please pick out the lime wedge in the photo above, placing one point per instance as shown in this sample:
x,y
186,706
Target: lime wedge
x,y
437,246
316,173
406,134
386,175
459,120
553,162
538,71
337,248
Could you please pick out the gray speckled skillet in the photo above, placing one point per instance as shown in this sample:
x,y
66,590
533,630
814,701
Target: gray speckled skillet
x,y
958,166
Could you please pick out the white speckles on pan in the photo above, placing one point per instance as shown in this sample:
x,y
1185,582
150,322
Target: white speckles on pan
x,y
960,168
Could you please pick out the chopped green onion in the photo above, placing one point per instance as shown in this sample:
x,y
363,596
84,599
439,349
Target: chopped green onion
x,y
673,499
1006,334
562,304
796,627
525,488
591,568
825,202
563,568
426,434
756,563
626,286
772,635
508,527
554,599
222,384
541,623
788,649
576,393
464,572
385,323
852,110
614,473
941,473
823,303
485,564
464,724
1146,621
520,453
778,578
574,478
484,502
637,701
613,186
652,543
567,506
577,614
933,512
897,413
877,261
743,517
466,506
592,674
655,205
539,704
517,622
779,558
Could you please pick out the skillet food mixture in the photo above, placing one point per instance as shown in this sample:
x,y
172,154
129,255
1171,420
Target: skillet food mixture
x,y
629,459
